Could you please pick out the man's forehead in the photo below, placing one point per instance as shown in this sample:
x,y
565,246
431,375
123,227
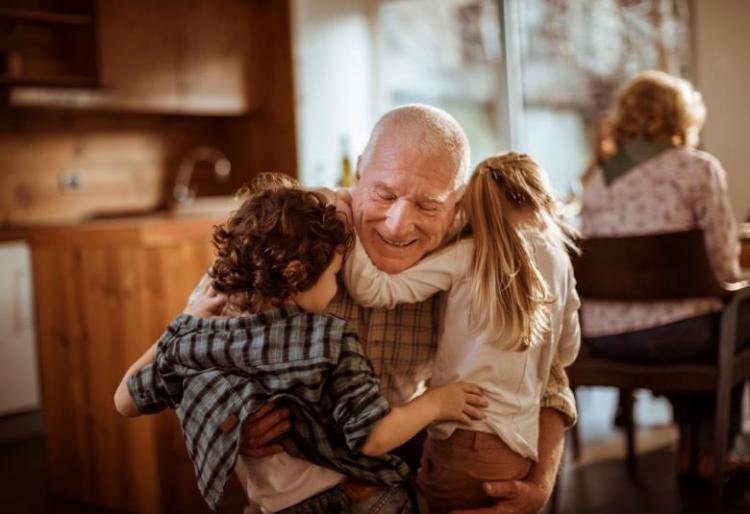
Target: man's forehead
x,y
413,187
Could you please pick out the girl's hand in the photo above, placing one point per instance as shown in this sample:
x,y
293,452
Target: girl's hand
x,y
205,302
458,402
340,198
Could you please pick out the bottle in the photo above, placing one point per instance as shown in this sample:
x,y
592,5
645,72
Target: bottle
x,y
346,165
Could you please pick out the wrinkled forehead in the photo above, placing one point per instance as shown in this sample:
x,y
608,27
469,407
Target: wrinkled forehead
x,y
403,163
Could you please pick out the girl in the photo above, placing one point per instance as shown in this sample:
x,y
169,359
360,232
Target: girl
x,y
278,257
511,310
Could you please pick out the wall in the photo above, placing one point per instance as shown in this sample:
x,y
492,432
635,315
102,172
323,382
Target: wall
x,y
335,84
722,42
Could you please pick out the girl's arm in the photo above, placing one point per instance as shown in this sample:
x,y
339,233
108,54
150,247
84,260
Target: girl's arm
x,y
371,287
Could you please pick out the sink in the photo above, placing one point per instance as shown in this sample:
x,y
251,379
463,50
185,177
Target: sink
x,y
221,205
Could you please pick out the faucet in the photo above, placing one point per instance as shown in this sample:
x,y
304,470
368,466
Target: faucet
x,y
182,192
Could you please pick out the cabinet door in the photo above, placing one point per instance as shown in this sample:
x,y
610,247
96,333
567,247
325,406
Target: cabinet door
x,y
19,389
138,53
215,57
177,56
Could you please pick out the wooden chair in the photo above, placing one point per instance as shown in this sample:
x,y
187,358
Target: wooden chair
x,y
662,267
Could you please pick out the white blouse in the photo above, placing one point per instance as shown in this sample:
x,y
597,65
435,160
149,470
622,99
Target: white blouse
x,y
678,189
513,381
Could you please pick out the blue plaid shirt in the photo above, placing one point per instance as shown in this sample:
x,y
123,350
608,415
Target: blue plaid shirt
x,y
209,370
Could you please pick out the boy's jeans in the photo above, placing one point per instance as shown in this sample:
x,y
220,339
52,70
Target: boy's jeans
x,y
385,500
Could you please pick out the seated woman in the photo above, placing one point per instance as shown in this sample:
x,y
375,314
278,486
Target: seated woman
x,y
653,181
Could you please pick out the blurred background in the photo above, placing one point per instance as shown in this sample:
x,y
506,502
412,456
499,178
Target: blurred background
x,y
126,126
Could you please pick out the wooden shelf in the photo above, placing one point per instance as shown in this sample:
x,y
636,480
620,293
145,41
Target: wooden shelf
x,y
46,17
80,81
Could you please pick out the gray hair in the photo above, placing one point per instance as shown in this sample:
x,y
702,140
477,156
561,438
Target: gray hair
x,y
437,132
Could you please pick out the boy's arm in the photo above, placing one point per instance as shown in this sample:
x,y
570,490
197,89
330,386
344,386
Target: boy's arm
x,y
371,287
369,424
123,401
150,386
453,402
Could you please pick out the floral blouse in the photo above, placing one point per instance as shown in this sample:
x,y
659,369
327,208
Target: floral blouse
x,y
678,189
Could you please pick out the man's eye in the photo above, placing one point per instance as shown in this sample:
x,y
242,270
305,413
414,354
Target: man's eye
x,y
383,195
427,207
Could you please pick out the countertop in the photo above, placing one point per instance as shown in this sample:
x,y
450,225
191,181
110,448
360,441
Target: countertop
x,y
149,229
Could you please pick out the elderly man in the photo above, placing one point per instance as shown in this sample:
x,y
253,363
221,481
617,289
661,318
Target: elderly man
x,y
403,203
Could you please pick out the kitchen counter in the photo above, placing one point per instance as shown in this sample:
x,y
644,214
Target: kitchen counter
x,y
148,230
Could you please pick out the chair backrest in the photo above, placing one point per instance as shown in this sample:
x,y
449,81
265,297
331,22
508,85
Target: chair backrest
x,y
654,267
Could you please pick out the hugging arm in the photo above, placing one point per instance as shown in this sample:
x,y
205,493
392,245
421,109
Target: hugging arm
x,y
371,287
143,389
370,425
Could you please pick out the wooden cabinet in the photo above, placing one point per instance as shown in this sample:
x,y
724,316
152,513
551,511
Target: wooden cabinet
x,y
179,56
105,291
193,57
48,43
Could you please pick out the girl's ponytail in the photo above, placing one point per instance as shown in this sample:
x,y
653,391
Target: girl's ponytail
x,y
508,291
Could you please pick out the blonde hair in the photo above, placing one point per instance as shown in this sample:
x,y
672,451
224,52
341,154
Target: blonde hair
x,y
435,132
659,107
507,194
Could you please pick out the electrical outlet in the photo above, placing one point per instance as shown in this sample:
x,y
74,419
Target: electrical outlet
x,y
70,180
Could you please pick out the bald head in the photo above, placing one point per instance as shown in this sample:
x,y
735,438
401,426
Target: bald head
x,y
428,132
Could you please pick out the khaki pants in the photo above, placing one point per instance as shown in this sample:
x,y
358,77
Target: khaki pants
x,y
452,470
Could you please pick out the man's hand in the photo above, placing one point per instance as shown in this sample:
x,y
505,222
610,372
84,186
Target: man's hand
x,y
516,497
260,429
529,496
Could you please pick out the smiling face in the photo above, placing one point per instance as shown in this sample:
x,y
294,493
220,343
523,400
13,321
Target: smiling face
x,y
403,201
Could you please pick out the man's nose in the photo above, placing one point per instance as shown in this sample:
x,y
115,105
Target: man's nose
x,y
400,218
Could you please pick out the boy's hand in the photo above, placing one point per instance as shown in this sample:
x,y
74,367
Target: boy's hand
x,y
260,429
458,402
205,302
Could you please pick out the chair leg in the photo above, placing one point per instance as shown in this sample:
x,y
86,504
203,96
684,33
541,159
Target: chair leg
x,y
721,435
627,399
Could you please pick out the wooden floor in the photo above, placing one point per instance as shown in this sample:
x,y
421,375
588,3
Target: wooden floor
x,y
599,484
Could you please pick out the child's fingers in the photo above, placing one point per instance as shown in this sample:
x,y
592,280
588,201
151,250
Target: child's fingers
x,y
466,420
476,400
473,413
216,301
471,388
205,287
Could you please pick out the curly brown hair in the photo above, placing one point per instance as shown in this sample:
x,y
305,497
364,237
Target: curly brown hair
x,y
656,106
278,243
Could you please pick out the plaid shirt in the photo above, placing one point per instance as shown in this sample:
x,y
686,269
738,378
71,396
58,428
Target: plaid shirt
x,y
211,370
402,342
